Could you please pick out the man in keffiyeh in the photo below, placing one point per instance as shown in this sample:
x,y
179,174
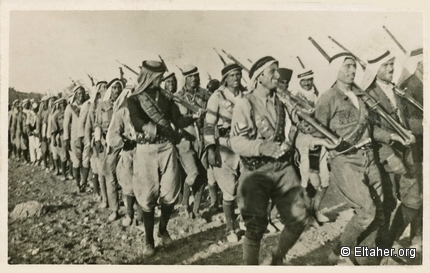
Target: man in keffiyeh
x,y
400,173
107,176
70,136
85,136
224,163
263,135
191,149
156,177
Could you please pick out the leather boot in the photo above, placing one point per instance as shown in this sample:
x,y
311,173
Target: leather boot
x,y
84,179
96,185
103,192
228,207
64,170
148,222
166,212
251,251
321,218
77,175
129,202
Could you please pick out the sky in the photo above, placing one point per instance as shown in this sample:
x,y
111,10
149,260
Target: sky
x,y
47,48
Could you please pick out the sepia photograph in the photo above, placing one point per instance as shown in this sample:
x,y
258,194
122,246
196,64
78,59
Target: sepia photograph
x,y
284,134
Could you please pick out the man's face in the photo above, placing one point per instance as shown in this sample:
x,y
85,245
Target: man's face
x,y
347,71
27,106
269,77
50,102
307,83
103,87
171,85
192,81
62,105
80,95
385,72
116,91
233,79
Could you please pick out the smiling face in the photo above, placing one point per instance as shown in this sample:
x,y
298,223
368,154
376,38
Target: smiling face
x,y
307,84
80,95
385,72
347,71
269,77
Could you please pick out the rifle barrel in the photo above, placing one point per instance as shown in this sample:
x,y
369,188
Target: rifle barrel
x,y
395,40
236,61
221,58
362,64
129,68
300,61
320,49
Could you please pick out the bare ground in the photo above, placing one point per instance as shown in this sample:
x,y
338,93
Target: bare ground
x,y
74,231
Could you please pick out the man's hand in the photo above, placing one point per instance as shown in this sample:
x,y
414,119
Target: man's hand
x,y
272,149
325,142
395,164
212,157
99,147
396,137
199,114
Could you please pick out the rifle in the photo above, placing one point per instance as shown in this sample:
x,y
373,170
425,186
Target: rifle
x,y
74,83
162,61
402,94
362,64
300,61
219,55
236,61
395,40
373,105
189,106
296,100
91,78
129,68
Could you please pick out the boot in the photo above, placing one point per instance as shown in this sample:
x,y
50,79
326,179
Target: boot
x,y
96,185
84,179
287,239
166,212
51,161
251,251
198,189
129,203
77,175
54,164
64,170
403,217
59,167
148,222
139,213
213,191
321,218
103,193
71,171
228,207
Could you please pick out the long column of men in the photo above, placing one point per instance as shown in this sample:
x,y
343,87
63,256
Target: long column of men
x,y
261,147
